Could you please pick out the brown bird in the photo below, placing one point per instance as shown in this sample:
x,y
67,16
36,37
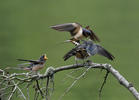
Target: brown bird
x,y
34,65
76,31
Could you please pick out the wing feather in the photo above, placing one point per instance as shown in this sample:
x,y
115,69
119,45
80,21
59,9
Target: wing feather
x,y
66,27
103,52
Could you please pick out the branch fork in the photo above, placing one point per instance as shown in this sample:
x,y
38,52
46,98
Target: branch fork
x,y
51,71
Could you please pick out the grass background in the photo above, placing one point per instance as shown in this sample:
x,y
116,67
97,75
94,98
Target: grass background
x,y
25,33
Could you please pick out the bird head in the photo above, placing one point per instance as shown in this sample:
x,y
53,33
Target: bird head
x,y
43,57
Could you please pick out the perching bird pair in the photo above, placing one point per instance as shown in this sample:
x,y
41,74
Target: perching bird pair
x,y
87,48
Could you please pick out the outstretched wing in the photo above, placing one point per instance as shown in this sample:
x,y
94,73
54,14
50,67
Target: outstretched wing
x,y
79,51
70,54
104,52
66,27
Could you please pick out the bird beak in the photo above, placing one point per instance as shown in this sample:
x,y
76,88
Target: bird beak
x,y
74,42
45,57
67,41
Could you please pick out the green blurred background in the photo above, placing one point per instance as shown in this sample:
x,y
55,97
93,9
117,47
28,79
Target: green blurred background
x,y
25,33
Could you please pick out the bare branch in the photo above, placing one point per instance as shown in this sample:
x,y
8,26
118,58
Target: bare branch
x,y
68,89
104,82
108,67
50,72
38,87
12,93
22,94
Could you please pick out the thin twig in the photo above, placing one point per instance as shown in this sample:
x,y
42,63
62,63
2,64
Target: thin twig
x,y
38,87
28,90
68,89
104,82
69,74
13,91
22,94
25,77
53,84
47,88
36,95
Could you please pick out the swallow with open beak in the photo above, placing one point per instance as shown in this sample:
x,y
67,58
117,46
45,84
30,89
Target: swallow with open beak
x,y
35,65
87,49
76,31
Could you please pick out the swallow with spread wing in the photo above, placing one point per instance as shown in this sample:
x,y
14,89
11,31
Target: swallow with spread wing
x,y
35,65
76,31
87,49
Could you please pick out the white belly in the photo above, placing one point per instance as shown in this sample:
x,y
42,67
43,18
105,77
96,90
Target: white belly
x,y
79,35
37,67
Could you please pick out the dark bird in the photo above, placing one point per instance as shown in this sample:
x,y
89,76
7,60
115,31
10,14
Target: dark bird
x,y
34,65
76,31
87,49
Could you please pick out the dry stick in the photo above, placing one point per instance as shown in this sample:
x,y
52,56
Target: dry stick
x,y
47,86
16,87
104,82
13,91
28,90
67,90
38,87
19,90
48,94
36,95
2,89
69,74
4,94
108,67
53,84
123,81
49,79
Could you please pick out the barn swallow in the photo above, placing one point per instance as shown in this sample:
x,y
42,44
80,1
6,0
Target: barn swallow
x,y
77,31
35,65
87,49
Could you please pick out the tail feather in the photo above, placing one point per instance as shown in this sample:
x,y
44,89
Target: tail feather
x,y
18,68
22,60
33,61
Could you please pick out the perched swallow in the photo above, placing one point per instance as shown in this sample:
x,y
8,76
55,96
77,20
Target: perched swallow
x,y
87,49
76,31
35,65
